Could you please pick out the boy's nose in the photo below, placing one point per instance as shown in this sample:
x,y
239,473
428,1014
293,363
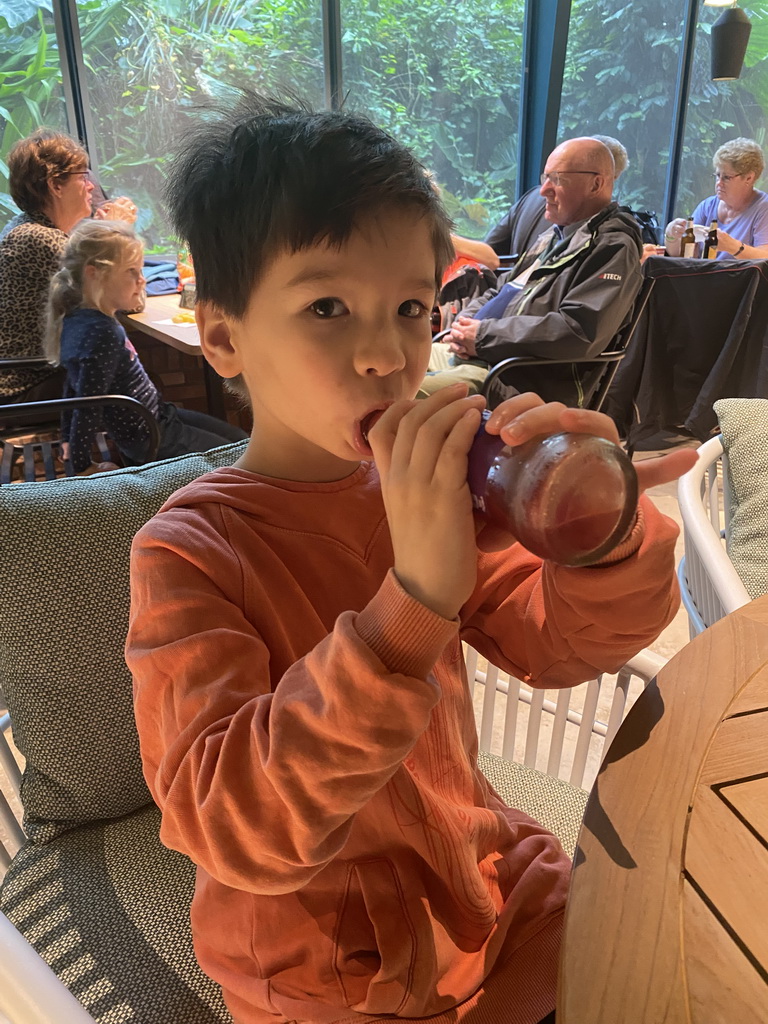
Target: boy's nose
x,y
380,352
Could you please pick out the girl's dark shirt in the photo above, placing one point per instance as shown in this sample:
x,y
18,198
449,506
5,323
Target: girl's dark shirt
x,y
100,360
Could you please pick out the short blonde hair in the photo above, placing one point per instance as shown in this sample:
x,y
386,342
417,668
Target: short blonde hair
x,y
102,243
744,155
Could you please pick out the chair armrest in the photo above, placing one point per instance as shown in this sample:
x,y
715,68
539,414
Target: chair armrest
x,y
21,409
12,364
507,364
30,993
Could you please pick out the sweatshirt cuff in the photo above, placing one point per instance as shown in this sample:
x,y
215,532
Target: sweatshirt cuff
x,y
403,633
629,545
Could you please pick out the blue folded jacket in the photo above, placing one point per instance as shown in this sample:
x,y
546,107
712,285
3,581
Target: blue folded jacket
x,y
161,276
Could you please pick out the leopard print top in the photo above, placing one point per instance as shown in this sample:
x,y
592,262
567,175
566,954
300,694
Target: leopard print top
x,y
30,253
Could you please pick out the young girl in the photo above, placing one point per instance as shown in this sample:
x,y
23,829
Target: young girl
x,y
101,273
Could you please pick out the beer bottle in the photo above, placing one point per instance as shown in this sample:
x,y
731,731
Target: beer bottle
x,y
688,241
710,242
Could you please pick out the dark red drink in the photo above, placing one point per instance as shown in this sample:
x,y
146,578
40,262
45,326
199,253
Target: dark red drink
x,y
569,498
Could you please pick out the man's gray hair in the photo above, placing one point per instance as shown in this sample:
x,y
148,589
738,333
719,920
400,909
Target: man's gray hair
x,y
618,152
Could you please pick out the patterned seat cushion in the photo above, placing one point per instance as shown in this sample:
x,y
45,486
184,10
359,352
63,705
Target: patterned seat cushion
x,y
552,802
64,579
107,906
744,423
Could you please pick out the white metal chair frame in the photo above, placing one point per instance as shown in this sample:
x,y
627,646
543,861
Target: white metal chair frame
x,y
709,584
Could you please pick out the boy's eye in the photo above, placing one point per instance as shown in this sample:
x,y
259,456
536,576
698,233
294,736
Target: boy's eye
x,y
328,307
412,309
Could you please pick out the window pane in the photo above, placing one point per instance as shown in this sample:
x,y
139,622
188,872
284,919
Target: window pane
x,y
149,66
720,111
30,82
620,74
445,80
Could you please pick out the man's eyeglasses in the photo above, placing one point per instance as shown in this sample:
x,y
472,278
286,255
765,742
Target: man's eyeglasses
x,y
725,178
556,177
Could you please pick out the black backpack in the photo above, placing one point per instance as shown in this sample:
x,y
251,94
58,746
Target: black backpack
x,y
650,229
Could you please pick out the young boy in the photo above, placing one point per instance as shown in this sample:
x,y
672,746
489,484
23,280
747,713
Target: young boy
x,y
295,634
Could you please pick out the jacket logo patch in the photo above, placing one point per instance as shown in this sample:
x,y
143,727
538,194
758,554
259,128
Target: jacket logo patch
x,y
611,277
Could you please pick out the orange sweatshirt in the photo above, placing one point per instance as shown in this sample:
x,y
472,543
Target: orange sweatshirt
x,y
307,731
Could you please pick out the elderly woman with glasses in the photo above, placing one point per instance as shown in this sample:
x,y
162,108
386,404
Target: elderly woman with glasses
x,y
740,209
50,183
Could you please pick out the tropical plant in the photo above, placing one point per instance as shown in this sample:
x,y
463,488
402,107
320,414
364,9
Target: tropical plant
x,y
30,81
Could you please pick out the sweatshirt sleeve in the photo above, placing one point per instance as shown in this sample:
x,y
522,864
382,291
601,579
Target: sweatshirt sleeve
x,y
555,626
590,315
258,778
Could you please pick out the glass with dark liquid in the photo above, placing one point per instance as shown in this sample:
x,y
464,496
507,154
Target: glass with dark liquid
x,y
569,498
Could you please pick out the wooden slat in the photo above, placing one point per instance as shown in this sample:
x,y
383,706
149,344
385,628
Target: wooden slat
x,y
751,801
730,866
740,748
754,697
723,986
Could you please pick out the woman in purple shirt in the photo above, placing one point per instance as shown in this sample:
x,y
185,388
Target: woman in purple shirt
x,y
740,209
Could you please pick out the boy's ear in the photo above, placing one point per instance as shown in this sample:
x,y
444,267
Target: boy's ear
x,y
216,340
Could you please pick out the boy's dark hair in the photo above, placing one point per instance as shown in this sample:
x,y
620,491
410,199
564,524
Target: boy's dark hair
x,y
266,177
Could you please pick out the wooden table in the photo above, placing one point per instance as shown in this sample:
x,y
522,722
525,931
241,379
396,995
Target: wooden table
x,y
184,337
667,920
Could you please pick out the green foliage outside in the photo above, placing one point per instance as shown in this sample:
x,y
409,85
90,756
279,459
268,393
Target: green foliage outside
x,y
444,78
620,78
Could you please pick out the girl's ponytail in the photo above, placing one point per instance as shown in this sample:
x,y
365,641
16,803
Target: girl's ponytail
x,y
96,242
64,296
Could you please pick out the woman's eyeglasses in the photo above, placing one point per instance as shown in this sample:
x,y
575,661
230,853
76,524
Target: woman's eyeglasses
x,y
725,178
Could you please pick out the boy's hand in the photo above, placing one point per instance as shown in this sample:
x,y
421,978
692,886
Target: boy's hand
x,y
421,454
526,416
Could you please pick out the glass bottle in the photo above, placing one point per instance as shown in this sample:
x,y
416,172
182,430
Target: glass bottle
x,y
710,242
688,241
569,498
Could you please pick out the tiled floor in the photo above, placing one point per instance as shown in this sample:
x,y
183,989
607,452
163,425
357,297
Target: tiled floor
x,y
674,637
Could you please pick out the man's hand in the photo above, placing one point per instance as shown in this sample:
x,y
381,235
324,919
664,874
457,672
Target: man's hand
x,y
463,335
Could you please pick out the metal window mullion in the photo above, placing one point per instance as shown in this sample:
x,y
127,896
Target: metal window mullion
x,y
545,41
73,74
682,95
332,53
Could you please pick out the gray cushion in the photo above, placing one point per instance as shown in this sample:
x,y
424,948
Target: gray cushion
x,y
552,802
64,578
107,907
744,424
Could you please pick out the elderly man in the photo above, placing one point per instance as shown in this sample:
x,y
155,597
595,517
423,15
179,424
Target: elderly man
x,y
567,297
525,221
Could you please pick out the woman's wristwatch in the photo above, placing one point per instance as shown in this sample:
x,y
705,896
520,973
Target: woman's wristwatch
x,y
739,251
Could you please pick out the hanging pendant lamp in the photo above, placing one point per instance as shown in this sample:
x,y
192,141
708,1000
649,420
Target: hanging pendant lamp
x,y
730,35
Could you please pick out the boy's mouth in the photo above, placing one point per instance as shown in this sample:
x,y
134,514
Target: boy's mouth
x,y
368,422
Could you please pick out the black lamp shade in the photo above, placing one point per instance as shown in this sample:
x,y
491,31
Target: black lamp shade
x,y
730,35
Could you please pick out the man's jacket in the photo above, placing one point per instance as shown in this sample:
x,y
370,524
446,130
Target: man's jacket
x,y
571,307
